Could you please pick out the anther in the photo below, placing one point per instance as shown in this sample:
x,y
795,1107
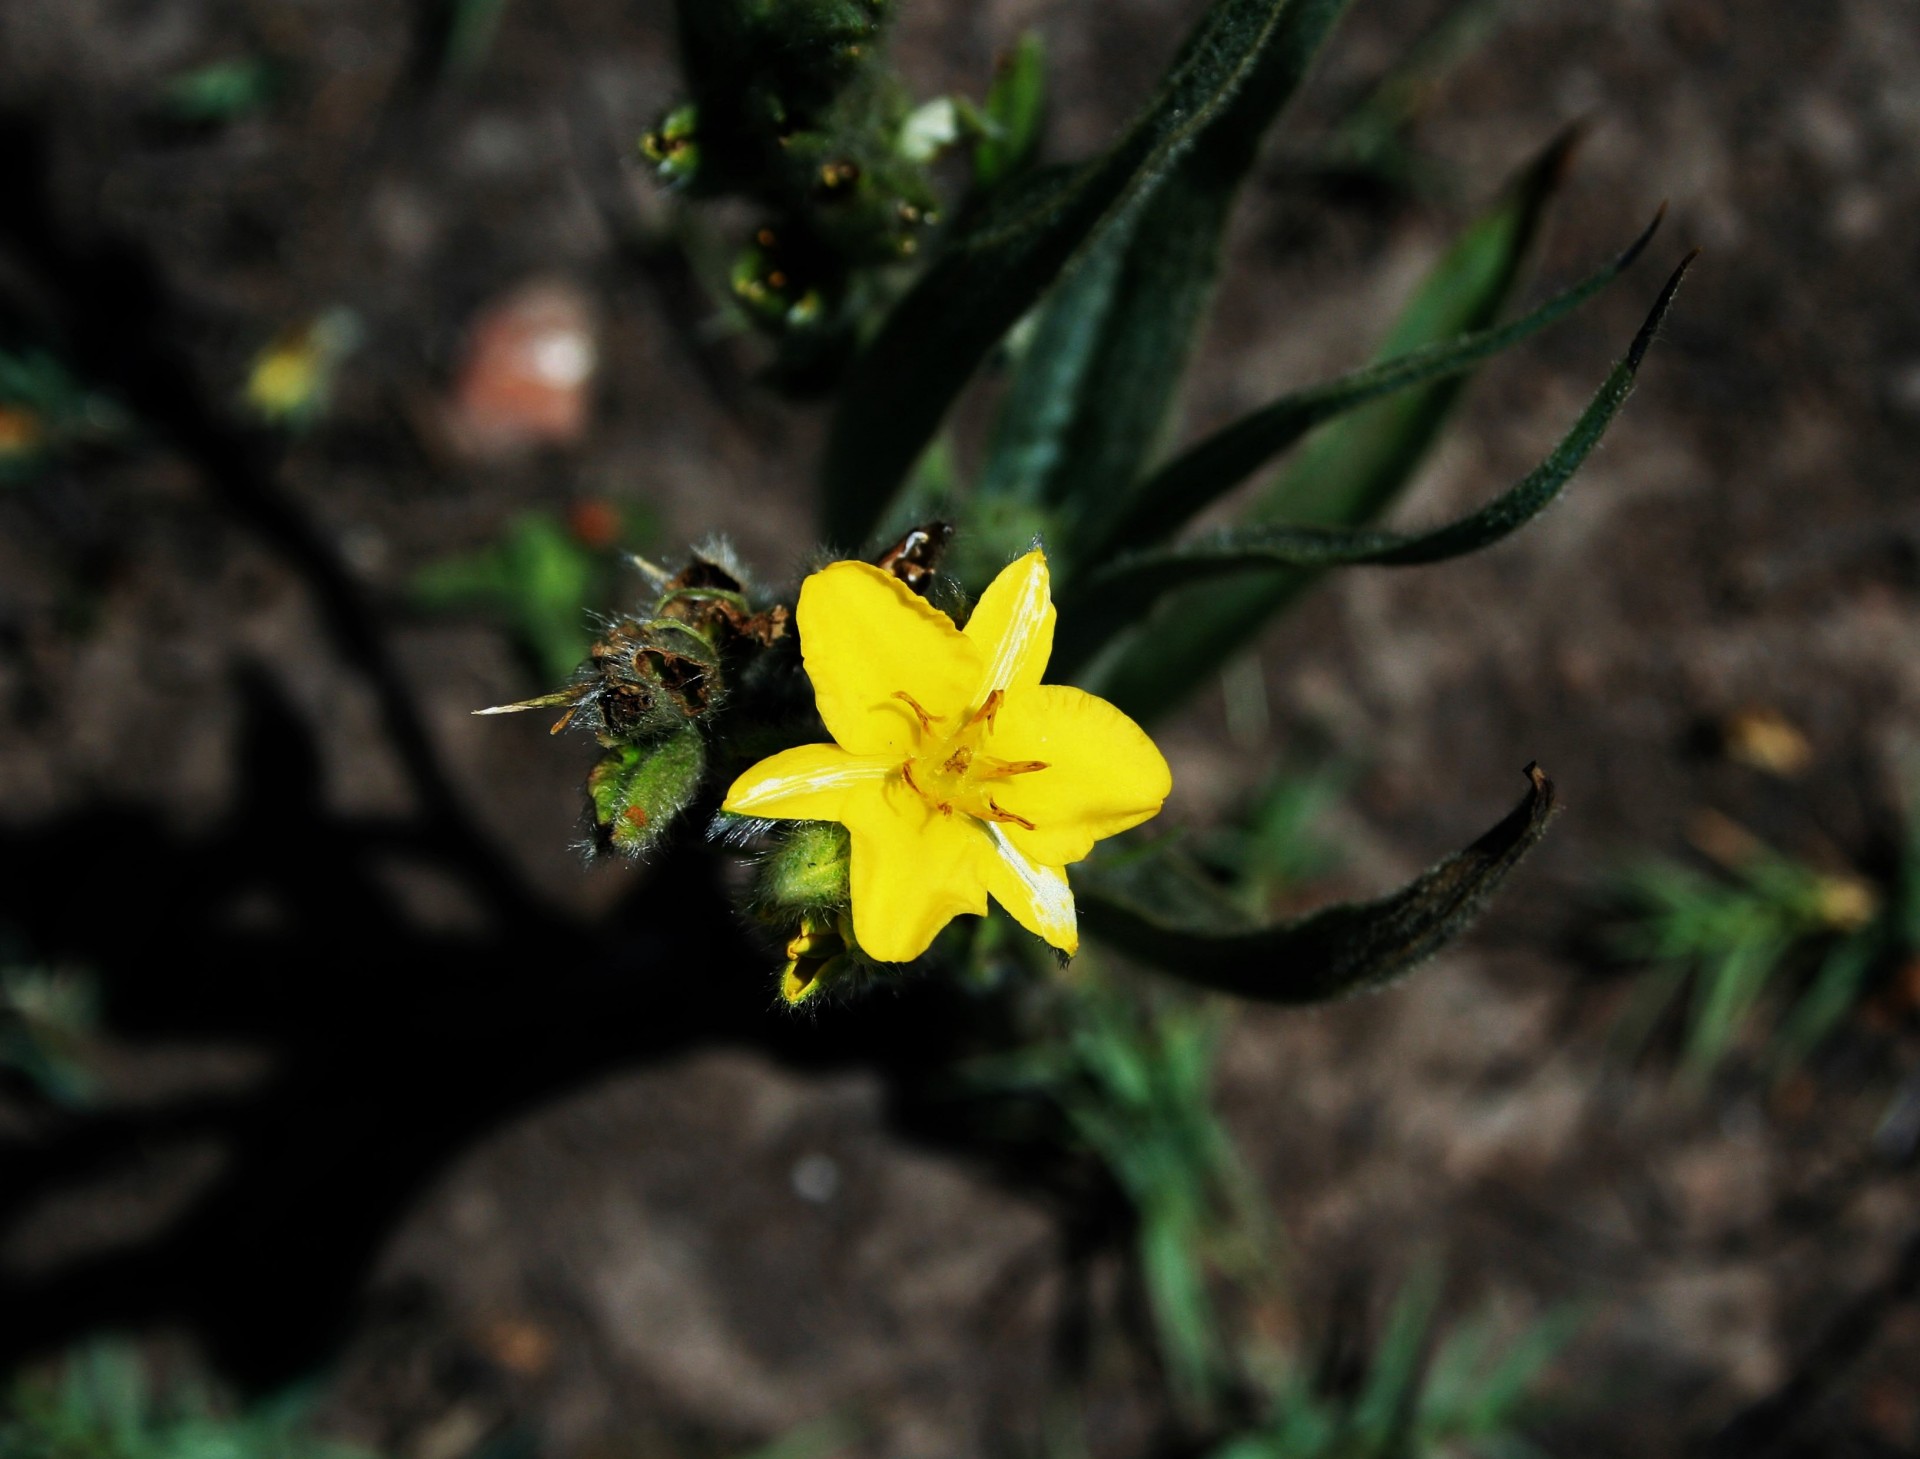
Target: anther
x,y
1001,769
989,709
926,720
1003,815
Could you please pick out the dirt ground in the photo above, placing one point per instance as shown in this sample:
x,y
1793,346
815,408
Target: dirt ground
x,y
399,1088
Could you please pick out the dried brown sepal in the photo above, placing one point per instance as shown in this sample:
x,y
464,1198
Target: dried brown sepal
x,y
916,556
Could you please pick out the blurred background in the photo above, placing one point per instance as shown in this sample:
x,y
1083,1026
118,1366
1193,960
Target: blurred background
x,y
344,345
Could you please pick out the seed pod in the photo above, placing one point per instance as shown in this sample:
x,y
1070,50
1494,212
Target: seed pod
x,y
638,791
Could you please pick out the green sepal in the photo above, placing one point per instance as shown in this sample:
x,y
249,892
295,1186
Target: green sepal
x,y
1119,596
1157,910
1208,470
638,791
900,388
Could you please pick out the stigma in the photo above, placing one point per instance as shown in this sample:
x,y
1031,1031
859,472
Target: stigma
x,y
952,771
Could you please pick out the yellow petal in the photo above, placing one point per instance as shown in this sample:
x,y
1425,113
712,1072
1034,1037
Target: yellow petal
x,y
1012,626
807,783
1103,774
1037,895
914,870
867,638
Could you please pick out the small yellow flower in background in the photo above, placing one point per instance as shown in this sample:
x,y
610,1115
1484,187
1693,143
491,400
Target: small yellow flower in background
x,y
956,772
291,378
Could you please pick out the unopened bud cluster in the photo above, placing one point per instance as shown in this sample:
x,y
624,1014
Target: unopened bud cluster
x,y
794,107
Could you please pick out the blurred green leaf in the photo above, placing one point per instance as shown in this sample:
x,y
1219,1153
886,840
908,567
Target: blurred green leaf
x,y
1383,1412
1352,469
1133,1075
1276,844
224,91
1372,138
45,410
1016,110
1426,1392
471,27
1117,597
1156,913
101,1405
1207,471
538,578
1728,942
48,1022
986,278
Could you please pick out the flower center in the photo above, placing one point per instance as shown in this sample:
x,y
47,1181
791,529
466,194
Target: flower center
x,y
952,771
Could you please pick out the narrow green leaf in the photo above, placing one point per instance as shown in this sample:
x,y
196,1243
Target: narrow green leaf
x,y
1166,286
1030,433
1332,953
1207,471
1355,467
985,279
1116,597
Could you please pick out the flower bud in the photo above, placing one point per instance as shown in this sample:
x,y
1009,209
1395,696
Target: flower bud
x,y
809,868
637,791
820,954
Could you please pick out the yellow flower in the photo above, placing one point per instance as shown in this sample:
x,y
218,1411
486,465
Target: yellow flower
x,y
956,772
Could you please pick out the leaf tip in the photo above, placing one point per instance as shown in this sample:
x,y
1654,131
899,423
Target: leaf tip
x,y
1644,339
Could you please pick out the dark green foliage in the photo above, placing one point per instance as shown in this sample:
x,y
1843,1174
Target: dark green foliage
x,y
1208,470
993,272
1161,912
1119,394
1114,598
1354,468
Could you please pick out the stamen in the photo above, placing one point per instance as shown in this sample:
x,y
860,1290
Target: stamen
x,y
989,709
926,720
906,774
1001,769
998,814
